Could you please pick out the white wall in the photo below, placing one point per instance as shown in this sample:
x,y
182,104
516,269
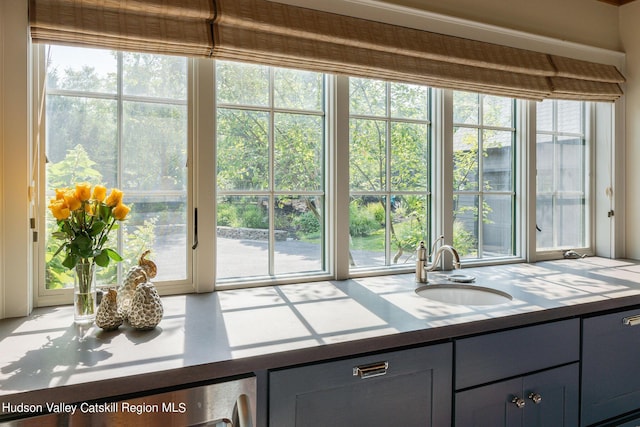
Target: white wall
x,y
15,236
581,21
630,38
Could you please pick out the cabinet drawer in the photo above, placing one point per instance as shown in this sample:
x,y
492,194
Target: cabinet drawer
x,y
610,366
408,388
499,355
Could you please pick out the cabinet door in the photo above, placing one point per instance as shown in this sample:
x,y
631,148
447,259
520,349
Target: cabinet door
x,y
548,398
552,397
404,388
493,405
610,368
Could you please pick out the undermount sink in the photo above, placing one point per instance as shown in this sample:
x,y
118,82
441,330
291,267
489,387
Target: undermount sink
x,y
463,294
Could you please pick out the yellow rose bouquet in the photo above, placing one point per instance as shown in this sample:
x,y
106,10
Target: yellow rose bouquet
x,y
85,218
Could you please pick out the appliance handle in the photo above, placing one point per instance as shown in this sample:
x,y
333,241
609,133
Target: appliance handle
x,y
242,412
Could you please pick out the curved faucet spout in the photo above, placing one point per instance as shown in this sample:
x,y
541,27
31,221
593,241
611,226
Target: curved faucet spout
x,y
438,255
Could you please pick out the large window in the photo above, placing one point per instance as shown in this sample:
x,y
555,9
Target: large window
x,y
483,175
270,171
562,159
389,172
274,188
120,120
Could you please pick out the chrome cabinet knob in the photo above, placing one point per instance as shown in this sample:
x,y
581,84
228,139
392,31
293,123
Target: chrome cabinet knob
x,y
518,401
535,397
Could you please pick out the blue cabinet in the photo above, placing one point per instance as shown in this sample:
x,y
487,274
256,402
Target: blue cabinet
x,y
521,377
409,388
610,366
547,398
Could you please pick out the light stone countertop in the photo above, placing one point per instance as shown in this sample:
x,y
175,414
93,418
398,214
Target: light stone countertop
x,y
45,357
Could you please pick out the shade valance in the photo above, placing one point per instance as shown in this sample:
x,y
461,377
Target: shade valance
x,y
272,33
173,27
283,35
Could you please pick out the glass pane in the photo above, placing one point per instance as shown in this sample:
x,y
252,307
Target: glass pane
x,y
544,116
243,149
570,116
544,221
82,138
465,159
298,152
465,225
242,247
409,101
69,69
570,165
160,132
242,84
545,161
154,75
367,154
497,111
367,219
298,90
466,108
158,222
299,234
409,157
409,218
497,160
570,221
368,97
497,226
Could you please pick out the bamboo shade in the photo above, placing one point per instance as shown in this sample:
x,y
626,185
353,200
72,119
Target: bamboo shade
x,y
173,27
282,35
271,33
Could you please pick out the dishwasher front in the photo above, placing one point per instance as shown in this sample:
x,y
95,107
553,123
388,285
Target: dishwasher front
x,y
230,403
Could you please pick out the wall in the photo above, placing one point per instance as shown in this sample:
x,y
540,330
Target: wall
x,y
630,38
588,22
15,246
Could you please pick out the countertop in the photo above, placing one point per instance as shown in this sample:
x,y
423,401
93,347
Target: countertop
x,y
45,357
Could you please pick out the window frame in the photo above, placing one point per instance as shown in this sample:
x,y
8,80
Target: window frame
x,y
46,296
592,220
202,187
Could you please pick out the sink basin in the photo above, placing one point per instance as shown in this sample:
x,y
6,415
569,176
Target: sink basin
x,y
463,294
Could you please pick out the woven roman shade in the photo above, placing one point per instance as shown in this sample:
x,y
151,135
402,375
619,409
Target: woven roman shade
x,y
173,27
272,33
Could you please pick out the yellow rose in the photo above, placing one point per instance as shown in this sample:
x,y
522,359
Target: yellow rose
x,y
83,191
59,209
72,201
120,211
60,193
114,198
99,192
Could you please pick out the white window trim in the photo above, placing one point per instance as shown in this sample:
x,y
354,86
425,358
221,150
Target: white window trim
x,y
15,93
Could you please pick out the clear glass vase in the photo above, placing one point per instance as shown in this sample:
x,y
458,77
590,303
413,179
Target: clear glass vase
x,y
84,293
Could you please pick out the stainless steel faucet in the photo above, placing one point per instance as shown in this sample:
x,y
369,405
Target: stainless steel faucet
x,y
422,263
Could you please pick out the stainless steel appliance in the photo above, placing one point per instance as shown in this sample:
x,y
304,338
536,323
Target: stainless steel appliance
x,y
224,404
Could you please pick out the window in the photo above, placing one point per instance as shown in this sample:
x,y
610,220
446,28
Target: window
x,y
270,171
562,217
389,172
483,175
120,120
124,120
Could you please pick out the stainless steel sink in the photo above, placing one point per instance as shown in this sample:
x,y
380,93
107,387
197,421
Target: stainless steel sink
x,y
463,294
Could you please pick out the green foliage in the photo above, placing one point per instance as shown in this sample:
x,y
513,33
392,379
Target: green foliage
x,y
463,240
227,215
362,222
253,216
307,223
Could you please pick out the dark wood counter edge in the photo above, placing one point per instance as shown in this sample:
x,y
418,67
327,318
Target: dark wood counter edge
x,y
175,378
